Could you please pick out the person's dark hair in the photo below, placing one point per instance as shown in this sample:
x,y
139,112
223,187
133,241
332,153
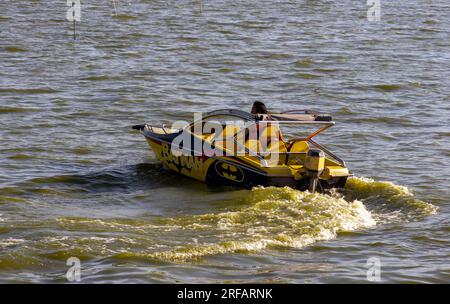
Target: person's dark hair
x,y
259,108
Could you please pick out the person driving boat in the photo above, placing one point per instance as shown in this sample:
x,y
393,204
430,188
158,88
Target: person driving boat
x,y
259,108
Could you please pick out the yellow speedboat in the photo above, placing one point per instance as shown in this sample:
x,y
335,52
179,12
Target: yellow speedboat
x,y
234,147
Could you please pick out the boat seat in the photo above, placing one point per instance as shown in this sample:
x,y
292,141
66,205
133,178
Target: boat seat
x,y
221,138
299,146
228,130
279,147
253,145
275,142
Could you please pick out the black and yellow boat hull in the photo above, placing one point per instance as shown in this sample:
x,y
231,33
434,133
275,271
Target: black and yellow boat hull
x,y
240,171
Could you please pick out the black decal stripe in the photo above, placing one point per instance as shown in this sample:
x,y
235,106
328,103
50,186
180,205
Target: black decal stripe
x,y
235,160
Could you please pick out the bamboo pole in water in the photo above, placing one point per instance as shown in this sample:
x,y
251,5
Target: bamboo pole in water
x,y
115,8
74,22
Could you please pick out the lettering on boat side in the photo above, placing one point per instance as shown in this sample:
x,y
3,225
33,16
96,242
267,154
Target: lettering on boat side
x,y
187,162
226,293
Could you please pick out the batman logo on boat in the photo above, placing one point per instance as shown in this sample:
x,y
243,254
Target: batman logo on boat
x,y
229,171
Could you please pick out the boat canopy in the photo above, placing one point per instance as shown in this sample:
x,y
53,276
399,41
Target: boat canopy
x,y
295,117
289,116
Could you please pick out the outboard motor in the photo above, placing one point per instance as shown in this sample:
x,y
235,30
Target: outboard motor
x,y
314,164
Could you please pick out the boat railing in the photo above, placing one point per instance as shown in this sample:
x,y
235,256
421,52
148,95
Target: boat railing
x,y
327,152
151,128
